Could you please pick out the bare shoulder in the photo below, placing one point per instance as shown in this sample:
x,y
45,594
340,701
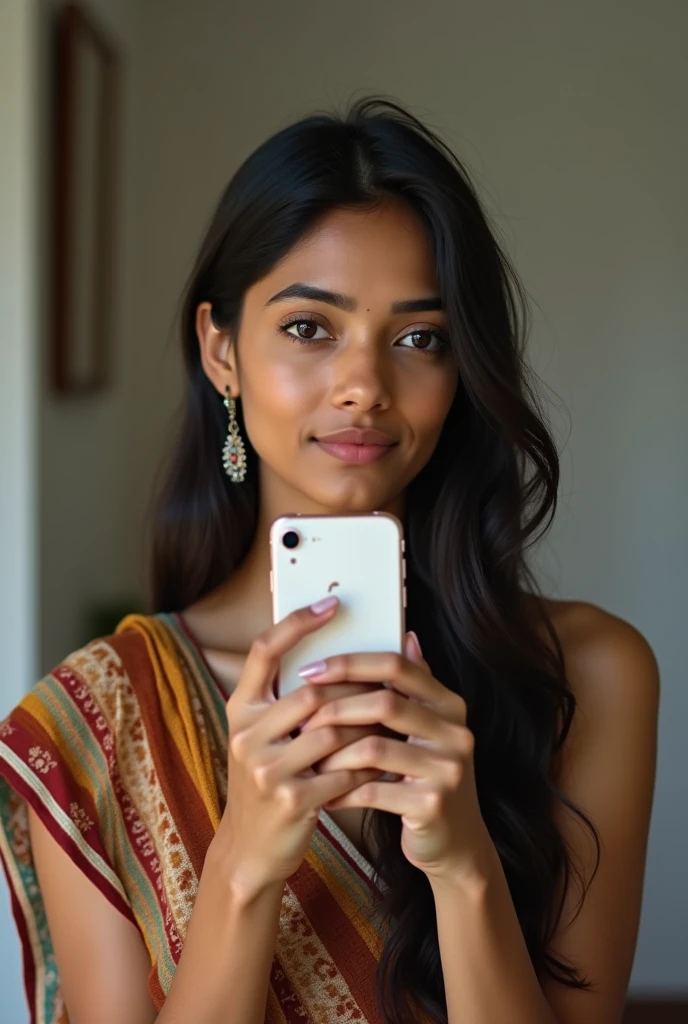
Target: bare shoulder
x,y
608,661
613,674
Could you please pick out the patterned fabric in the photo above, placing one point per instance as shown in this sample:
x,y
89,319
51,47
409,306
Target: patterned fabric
x,y
122,752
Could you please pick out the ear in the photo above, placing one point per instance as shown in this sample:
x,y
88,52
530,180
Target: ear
x,y
218,352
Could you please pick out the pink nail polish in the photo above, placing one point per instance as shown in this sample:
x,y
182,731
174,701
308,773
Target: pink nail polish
x,y
324,604
316,668
416,643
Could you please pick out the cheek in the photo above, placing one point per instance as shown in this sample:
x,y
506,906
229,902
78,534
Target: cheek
x,y
275,400
428,403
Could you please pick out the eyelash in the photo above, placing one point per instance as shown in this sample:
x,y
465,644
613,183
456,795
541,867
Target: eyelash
x,y
284,329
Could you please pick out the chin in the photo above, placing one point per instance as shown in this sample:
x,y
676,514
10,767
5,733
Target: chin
x,y
356,497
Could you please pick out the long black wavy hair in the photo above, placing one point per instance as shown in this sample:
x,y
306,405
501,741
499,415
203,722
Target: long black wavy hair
x,y
487,494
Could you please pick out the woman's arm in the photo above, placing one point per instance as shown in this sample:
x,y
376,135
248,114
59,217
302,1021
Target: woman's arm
x,y
608,770
223,972
101,956
488,975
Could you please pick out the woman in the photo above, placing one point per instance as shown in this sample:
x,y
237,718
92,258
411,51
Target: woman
x,y
348,279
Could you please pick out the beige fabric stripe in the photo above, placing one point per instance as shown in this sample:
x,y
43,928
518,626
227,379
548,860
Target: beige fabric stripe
x,y
193,747
312,973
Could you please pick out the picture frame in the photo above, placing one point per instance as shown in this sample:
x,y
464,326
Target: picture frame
x,y
84,216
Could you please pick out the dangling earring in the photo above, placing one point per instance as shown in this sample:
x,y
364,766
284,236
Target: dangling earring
x,y
234,451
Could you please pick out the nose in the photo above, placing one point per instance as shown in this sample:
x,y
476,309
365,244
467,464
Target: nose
x,y
361,379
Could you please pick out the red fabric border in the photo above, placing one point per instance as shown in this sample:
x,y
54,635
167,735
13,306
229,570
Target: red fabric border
x,y
65,841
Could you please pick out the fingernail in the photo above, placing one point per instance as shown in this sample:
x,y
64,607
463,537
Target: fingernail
x,y
316,668
414,645
324,605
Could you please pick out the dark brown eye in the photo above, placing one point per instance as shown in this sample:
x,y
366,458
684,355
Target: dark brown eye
x,y
304,330
424,341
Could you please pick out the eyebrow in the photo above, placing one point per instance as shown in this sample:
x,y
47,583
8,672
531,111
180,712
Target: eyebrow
x,y
345,302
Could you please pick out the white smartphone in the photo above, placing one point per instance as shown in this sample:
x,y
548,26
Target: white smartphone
x,y
357,557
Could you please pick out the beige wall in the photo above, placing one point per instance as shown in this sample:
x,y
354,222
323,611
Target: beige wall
x,y
83,440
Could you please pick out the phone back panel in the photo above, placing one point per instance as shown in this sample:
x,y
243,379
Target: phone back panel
x,y
356,557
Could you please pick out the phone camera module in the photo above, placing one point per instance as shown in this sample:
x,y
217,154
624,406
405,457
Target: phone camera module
x,y
291,539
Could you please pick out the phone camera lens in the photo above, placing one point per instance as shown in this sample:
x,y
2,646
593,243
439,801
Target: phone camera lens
x,y
291,539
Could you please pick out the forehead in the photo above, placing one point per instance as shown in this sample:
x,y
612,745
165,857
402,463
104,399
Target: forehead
x,y
377,256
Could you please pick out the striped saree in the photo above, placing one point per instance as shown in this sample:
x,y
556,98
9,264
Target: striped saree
x,y
122,752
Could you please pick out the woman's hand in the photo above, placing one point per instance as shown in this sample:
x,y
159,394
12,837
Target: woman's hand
x,y
274,796
443,833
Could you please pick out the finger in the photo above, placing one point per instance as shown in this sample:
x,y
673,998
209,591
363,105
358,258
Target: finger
x,y
407,677
283,762
402,798
281,718
266,650
322,789
353,733
336,690
393,756
388,708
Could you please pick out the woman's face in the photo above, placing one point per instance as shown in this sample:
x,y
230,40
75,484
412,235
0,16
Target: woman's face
x,y
345,334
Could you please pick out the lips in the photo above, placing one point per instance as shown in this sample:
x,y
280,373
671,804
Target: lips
x,y
355,445
354,435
